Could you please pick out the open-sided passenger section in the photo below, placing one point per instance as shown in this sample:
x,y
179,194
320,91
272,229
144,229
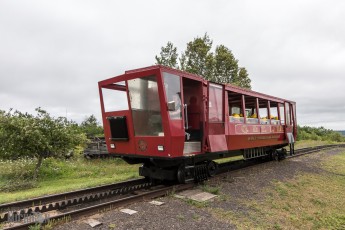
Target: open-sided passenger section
x,y
246,109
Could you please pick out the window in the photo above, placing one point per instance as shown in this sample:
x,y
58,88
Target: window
x,y
173,92
274,113
235,107
251,114
287,115
145,105
282,114
215,103
114,100
294,114
263,111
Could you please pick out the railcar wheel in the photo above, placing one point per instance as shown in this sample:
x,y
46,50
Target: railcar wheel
x,y
282,154
181,175
212,168
275,155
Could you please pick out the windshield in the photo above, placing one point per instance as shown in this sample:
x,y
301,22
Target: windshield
x,y
145,106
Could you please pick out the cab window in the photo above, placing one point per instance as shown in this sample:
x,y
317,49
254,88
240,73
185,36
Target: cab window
x,y
173,93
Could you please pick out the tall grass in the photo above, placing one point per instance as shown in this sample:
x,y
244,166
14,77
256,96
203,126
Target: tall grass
x,y
59,175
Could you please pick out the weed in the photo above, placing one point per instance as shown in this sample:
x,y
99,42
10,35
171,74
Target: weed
x,y
277,226
35,227
180,217
317,202
210,189
17,185
196,216
223,197
197,203
172,192
112,226
282,191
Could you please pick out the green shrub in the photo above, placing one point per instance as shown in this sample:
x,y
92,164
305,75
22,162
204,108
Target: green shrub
x,y
319,134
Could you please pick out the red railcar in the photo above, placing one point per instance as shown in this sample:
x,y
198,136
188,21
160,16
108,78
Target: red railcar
x,y
176,123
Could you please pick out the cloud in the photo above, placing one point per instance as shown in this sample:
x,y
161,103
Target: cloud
x,y
54,53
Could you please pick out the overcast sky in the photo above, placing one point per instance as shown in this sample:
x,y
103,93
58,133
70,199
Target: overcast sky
x,y
53,53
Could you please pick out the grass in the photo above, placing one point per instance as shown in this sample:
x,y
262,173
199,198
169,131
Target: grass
x,y
60,176
197,204
308,201
211,189
229,159
298,145
311,143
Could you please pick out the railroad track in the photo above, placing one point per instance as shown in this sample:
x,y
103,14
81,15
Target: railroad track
x,y
22,214
308,150
24,210
68,197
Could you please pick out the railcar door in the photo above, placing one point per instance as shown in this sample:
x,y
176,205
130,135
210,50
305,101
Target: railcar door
x,y
193,115
289,125
216,118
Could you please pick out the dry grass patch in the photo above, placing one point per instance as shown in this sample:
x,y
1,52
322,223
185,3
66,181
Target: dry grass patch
x,y
308,201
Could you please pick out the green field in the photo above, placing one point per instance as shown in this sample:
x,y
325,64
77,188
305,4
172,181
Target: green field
x,y
60,176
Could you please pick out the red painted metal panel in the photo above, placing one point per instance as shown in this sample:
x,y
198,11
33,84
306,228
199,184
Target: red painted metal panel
x,y
176,147
216,128
252,141
148,146
217,143
244,129
127,147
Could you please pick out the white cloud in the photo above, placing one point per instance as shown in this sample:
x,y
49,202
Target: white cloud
x,y
53,53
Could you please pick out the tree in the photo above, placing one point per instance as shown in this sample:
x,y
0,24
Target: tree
x,y
40,136
91,127
168,56
242,79
226,66
198,58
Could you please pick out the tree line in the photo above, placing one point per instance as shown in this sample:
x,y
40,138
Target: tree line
x,y
219,66
319,134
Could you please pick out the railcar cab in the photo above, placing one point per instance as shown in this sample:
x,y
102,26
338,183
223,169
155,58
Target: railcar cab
x,y
153,114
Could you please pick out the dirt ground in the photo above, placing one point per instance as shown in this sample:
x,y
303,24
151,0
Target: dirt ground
x,y
250,183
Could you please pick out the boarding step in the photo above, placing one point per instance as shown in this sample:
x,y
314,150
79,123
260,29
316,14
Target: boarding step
x,y
191,147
